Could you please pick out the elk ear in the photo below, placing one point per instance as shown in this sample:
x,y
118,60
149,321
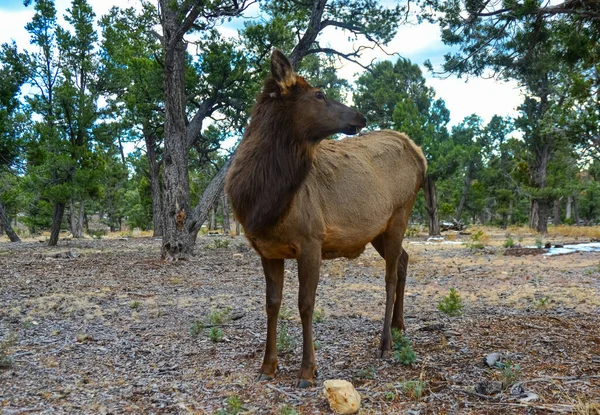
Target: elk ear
x,y
282,71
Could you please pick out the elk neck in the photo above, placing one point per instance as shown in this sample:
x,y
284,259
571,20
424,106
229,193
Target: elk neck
x,y
272,163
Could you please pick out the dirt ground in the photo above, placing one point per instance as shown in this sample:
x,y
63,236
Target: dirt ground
x,y
104,327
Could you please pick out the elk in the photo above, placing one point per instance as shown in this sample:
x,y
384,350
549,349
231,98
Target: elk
x,y
299,197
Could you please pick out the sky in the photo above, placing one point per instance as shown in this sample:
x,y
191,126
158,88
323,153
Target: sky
x,y
485,97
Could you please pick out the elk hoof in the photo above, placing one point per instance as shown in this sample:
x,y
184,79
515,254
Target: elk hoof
x,y
304,383
262,377
385,354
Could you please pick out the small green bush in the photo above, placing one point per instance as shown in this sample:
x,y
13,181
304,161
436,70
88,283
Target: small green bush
x,y
233,407
538,243
414,389
285,342
403,351
6,360
319,315
451,304
509,243
288,410
509,374
215,335
219,244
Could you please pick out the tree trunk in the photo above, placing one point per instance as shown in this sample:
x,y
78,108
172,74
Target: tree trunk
x,y
569,204
76,219
5,224
465,191
431,205
176,198
157,214
226,223
209,197
556,212
238,226
212,224
57,217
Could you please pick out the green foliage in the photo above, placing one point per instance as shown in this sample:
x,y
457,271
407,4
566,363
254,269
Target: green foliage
x,y
219,243
509,374
414,389
285,313
288,410
215,335
285,341
542,302
234,406
5,346
403,351
539,243
319,315
411,232
196,328
509,243
475,241
134,305
219,317
451,304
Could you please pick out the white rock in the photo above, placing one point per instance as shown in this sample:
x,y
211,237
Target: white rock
x,y
342,397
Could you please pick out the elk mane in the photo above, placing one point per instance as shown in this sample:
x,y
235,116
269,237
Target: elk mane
x,y
275,161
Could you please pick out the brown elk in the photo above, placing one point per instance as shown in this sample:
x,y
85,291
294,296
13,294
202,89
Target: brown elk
x,y
302,198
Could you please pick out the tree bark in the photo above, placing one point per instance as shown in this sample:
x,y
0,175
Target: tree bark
x,y
212,224
431,205
465,191
5,224
556,213
76,219
176,200
57,217
569,204
226,222
312,31
154,169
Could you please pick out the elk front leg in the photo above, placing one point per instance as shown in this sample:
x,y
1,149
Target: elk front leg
x,y
309,264
273,269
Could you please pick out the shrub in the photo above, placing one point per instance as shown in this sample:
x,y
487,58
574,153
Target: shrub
x,y
285,342
5,358
403,351
451,304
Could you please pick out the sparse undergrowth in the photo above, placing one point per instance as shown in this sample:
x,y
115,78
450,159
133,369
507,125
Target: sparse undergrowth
x,y
403,351
451,304
212,321
285,341
5,346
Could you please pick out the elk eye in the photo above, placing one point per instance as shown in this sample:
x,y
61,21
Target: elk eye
x,y
320,95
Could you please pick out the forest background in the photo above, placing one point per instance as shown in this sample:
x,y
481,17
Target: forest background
x,y
130,119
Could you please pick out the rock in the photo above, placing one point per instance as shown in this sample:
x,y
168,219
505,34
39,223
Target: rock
x,y
492,358
342,397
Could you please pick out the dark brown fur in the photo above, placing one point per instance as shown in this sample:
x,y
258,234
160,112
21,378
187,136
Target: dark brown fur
x,y
266,175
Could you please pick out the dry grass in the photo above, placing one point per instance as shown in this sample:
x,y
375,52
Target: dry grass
x,y
587,408
575,231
